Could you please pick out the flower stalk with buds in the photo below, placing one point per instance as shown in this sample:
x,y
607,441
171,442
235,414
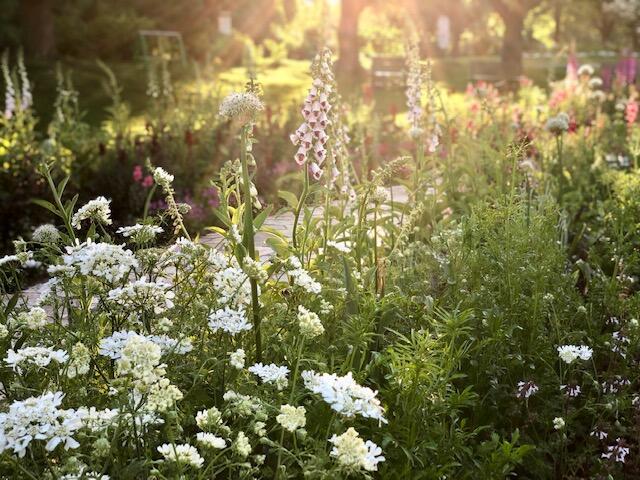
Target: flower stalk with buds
x,y
243,108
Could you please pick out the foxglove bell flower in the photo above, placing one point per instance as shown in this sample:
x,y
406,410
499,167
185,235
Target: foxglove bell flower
x,y
311,136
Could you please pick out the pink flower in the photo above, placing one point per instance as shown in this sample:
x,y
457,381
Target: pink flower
x,y
147,182
137,173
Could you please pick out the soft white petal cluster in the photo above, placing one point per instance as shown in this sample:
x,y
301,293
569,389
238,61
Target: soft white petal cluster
x,y
271,373
354,453
229,320
80,360
85,474
140,294
309,323
558,125
311,136
140,358
38,418
344,395
108,262
211,441
237,359
243,106
46,233
184,453
38,356
233,287
34,319
291,418
97,210
343,247
112,345
301,277
97,420
162,177
570,353
140,233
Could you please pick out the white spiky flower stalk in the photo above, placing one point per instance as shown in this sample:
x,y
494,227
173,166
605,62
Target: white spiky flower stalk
x,y
10,93
414,90
26,97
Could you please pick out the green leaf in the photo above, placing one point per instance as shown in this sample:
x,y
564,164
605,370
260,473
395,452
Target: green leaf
x,y
289,197
62,185
48,205
261,217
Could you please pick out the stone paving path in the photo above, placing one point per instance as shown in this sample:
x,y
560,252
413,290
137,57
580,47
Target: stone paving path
x,y
282,222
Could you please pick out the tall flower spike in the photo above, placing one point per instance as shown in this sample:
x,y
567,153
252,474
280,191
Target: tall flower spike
x,y
312,135
414,90
10,94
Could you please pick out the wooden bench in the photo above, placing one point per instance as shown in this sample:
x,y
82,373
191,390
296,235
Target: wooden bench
x,y
388,72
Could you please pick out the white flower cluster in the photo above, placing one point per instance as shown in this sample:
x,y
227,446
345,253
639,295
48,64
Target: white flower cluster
x,y
108,262
344,395
243,106
34,319
162,178
291,418
570,353
143,295
229,320
353,453
80,360
237,359
232,286
209,440
184,454
96,210
301,277
38,418
112,345
558,125
140,358
309,323
311,135
271,374
38,356
140,233
46,233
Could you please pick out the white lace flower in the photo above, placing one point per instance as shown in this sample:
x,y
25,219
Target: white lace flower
x,y
103,260
271,373
237,359
344,395
570,353
291,418
139,233
39,418
354,453
38,356
229,320
185,454
96,210
143,295
211,441
309,323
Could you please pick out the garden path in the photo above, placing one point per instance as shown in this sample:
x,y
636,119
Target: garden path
x,y
283,222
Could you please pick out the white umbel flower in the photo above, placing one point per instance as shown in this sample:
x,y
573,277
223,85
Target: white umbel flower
x,y
309,323
229,320
237,359
291,418
271,374
97,210
185,454
353,453
209,440
241,106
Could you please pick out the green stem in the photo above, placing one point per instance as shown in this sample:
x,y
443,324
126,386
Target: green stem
x,y
303,198
560,164
248,239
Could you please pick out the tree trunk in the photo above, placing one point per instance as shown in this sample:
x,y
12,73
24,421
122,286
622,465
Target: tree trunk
x,y
349,61
38,27
512,45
